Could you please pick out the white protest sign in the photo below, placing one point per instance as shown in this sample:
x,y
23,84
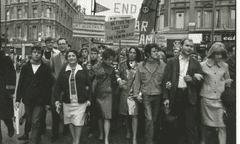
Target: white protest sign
x,y
119,29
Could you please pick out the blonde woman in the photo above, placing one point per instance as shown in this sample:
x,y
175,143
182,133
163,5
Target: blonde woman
x,y
216,78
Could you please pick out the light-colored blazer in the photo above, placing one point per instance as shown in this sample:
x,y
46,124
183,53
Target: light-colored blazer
x,y
47,61
215,76
56,65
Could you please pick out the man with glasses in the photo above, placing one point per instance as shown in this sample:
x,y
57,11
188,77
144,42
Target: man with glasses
x,y
57,62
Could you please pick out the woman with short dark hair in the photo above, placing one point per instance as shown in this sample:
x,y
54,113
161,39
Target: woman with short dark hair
x,y
75,84
105,83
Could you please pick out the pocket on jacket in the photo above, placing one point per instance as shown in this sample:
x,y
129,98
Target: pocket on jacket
x,y
143,76
159,76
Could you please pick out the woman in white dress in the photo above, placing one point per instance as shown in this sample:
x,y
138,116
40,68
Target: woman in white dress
x,y
75,84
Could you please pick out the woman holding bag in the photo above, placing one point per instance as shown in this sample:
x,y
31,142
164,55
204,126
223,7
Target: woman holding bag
x,y
127,71
216,78
75,84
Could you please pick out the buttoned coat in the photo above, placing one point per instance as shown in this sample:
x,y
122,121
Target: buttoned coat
x,y
171,74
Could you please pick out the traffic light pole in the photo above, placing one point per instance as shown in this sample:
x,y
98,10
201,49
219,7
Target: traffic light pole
x,y
5,24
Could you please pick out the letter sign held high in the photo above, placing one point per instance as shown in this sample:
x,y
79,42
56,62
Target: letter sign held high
x,y
116,8
133,9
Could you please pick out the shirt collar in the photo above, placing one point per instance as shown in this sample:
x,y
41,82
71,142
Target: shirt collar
x,y
78,67
210,63
182,58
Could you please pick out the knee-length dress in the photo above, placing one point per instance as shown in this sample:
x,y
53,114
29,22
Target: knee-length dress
x,y
105,76
212,108
128,75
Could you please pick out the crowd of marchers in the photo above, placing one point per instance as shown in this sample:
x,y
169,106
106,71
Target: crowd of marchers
x,y
178,99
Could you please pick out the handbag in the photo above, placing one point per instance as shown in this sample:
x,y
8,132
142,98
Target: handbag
x,y
168,117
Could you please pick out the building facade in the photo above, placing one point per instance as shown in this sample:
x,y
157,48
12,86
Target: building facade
x,y
30,21
179,19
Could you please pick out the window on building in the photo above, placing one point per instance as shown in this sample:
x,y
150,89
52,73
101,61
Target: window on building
x,y
34,31
217,19
7,31
35,13
19,11
161,21
8,15
199,19
19,32
180,20
34,0
207,20
48,31
48,15
232,19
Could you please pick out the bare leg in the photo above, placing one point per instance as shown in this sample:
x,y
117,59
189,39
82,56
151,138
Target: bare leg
x,y
134,126
72,130
222,136
128,135
204,131
78,131
100,123
106,129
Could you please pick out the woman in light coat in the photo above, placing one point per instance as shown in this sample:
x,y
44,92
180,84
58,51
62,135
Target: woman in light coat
x,y
216,78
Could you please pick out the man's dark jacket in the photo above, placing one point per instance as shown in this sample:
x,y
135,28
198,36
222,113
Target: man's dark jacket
x,y
171,73
35,89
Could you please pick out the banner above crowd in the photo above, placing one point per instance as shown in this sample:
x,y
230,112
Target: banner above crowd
x,y
119,29
89,26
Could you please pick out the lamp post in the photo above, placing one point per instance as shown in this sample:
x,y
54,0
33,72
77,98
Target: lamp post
x,y
213,21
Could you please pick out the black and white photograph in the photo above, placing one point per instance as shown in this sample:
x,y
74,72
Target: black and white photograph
x,y
118,72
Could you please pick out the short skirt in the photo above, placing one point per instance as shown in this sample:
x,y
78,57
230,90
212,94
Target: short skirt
x,y
74,113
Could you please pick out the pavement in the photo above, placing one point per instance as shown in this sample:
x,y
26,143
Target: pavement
x,y
116,136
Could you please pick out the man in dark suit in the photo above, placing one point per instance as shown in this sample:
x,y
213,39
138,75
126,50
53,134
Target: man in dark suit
x,y
181,77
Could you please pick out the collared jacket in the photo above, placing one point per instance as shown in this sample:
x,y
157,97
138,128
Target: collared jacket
x,y
83,85
171,74
215,76
146,82
35,89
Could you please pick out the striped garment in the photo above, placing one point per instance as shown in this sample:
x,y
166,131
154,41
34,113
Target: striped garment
x,y
72,83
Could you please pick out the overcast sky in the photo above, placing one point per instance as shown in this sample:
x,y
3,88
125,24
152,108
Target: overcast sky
x,y
114,4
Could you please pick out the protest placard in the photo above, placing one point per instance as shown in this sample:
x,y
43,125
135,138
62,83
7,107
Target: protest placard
x,y
119,29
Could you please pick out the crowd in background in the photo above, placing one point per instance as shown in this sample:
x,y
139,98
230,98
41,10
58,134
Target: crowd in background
x,y
181,97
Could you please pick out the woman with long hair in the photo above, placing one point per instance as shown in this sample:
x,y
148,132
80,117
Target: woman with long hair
x,y
127,71
75,84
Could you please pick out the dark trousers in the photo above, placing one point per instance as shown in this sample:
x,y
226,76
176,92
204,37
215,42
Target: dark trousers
x,y
151,108
186,118
9,123
34,113
56,122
